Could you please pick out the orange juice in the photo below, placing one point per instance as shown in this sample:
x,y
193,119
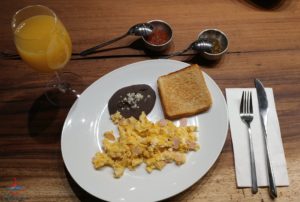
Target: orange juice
x,y
43,42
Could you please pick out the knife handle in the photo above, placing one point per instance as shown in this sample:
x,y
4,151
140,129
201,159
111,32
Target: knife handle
x,y
272,185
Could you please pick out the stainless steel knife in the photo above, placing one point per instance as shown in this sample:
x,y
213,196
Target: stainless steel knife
x,y
263,111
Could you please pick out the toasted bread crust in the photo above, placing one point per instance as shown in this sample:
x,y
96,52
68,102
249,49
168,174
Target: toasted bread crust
x,y
184,92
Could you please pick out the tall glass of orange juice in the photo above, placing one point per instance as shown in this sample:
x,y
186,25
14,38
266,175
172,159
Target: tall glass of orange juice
x,y
43,42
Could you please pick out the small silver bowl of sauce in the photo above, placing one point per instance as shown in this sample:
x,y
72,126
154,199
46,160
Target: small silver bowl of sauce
x,y
161,36
219,43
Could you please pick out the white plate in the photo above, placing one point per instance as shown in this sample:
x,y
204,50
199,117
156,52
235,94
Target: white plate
x,y
89,118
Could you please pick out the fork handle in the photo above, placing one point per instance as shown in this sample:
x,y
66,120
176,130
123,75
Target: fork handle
x,y
252,163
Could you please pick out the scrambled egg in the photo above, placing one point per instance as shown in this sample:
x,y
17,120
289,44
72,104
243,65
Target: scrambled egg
x,y
142,141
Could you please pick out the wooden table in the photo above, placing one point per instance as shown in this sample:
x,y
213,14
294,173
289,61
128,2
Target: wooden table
x,y
264,43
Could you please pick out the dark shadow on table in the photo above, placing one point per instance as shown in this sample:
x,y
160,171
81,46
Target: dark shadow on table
x,y
81,194
45,120
197,59
268,4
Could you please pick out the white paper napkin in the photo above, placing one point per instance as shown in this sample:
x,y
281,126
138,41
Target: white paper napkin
x,y
240,141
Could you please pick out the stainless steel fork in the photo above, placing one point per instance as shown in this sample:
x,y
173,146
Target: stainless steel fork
x,y
246,114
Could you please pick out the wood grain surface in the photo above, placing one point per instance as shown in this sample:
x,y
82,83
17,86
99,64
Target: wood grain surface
x,y
264,43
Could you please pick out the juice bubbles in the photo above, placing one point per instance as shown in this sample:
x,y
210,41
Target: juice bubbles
x,y
43,42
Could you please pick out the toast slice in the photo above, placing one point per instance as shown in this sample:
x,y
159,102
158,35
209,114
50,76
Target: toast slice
x,y
184,93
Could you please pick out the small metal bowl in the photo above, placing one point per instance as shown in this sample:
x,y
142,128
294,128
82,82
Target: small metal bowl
x,y
214,36
163,29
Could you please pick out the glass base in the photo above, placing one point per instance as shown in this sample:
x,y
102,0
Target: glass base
x,y
64,88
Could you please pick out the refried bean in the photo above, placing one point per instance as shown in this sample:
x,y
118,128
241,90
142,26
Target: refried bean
x,y
132,100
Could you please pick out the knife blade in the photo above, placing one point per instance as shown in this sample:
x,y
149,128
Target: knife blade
x,y
263,111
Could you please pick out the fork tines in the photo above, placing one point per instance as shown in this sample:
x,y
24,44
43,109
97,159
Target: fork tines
x,y
246,106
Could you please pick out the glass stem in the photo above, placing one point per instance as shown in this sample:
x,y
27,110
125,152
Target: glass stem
x,y
57,76
61,85
64,86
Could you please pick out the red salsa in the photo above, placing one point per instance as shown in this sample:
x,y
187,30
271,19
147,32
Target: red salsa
x,y
158,36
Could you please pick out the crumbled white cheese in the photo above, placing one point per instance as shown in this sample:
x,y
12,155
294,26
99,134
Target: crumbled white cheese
x,y
132,99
